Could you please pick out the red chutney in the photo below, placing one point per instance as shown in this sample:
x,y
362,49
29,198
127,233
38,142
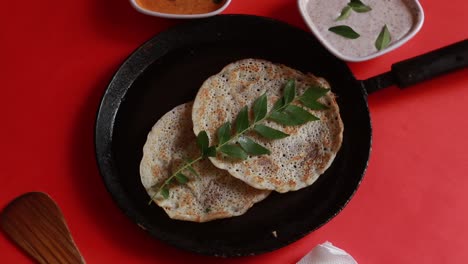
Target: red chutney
x,y
186,7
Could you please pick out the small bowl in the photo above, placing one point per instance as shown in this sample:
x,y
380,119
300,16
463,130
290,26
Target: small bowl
x,y
178,16
414,7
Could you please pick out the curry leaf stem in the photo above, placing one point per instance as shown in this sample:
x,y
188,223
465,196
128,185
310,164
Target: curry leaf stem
x,y
168,180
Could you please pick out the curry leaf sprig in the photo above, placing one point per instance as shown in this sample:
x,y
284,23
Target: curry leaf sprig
x,y
233,143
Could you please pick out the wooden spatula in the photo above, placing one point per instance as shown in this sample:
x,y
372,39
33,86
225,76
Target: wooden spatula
x,y
36,224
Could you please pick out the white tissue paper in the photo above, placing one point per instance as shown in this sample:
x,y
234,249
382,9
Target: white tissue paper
x,y
326,253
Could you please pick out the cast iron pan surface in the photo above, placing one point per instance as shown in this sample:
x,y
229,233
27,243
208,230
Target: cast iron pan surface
x,y
167,71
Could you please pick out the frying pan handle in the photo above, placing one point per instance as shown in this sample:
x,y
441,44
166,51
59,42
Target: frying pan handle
x,y
422,67
430,65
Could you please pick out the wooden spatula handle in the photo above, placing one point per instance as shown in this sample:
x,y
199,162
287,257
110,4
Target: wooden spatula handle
x,y
36,224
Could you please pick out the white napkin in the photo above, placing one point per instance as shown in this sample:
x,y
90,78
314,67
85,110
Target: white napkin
x,y
326,253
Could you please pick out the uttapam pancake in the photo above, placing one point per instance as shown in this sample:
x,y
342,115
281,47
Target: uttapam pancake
x,y
214,194
295,161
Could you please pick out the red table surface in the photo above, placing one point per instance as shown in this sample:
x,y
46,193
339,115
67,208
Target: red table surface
x,y
56,58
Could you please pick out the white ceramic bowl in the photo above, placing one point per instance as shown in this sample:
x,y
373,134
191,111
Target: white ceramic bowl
x,y
179,16
418,16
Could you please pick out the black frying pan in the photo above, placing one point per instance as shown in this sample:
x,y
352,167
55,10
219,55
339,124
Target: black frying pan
x,y
167,71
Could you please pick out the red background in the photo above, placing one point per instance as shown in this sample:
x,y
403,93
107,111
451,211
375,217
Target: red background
x,y
56,58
